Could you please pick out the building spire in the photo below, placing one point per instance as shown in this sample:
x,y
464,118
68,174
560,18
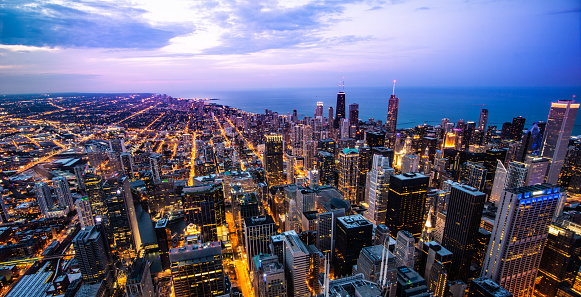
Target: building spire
x,y
393,87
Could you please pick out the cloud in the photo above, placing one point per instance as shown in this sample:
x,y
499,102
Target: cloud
x,y
90,24
422,8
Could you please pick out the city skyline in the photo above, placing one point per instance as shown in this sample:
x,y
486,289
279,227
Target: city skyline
x,y
176,47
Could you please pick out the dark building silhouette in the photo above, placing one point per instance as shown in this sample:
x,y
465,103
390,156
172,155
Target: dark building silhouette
x,y
353,233
204,206
273,160
406,203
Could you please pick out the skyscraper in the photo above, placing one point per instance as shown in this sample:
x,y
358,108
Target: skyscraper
x,y
405,249
348,174
297,266
273,160
410,164
483,120
196,270
461,228
155,162
269,280
83,207
340,109
353,115
353,233
519,236
326,229
378,189
164,242
517,127
63,192
43,197
391,123
326,167
204,206
557,134
319,110
127,164
257,233
505,178
139,282
406,203
92,254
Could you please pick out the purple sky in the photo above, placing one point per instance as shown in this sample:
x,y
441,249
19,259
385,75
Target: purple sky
x,y
176,46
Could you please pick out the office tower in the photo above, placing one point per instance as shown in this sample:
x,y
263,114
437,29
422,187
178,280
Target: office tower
x,y
561,258
385,152
381,235
391,122
196,270
485,287
531,143
117,145
354,286
340,109
474,174
164,241
375,139
519,236
570,177
354,115
92,254
306,199
353,233
273,163
405,250
434,263
328,145
43,197
517,127
461,229
406,203
4,216
155,163
410,283
348,173
331,121
313,178
410,163
507,178
344,128
139,282
557,134
319,110
294,117
309,151
378,189
326,167
79,176
257,233
297,265
326,230
127,164
269,280
377,261
483,120
83,207
204,206
63,192
536,169
96,195
118,216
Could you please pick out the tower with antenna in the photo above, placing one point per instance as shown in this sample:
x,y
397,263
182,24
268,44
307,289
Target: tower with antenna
x,y
391,123
340,110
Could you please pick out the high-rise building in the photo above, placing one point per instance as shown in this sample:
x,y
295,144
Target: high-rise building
x,y
353,233
348,173
461,229
204,206
96,195
119,203
405,250
197,270
406,203
43,197
531,143
483,120
155,163
485,287
391,122
474,174
164,242
377,189
297,265
127,164
269,280
326,167
344,128
326,229
410,163
63,192
519,236
354,115
506,178
83,207
257,233
434,263
561,258
331,121
91,252
517,127
410,283
139,282
375,139
557,134
117,145
537,168
273,160
377,263
309,151
340,109
319,110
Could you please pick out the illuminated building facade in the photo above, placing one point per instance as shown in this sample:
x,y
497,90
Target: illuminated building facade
x,y
196,270
273,160
348,173
204,207
353,234
406,203
557,134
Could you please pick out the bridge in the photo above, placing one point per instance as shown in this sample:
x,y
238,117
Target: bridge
x,y
32,260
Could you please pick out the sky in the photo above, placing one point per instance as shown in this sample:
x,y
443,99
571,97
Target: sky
x,y
174,46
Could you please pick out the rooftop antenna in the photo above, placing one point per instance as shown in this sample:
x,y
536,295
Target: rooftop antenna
x,y
393,87
343,84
